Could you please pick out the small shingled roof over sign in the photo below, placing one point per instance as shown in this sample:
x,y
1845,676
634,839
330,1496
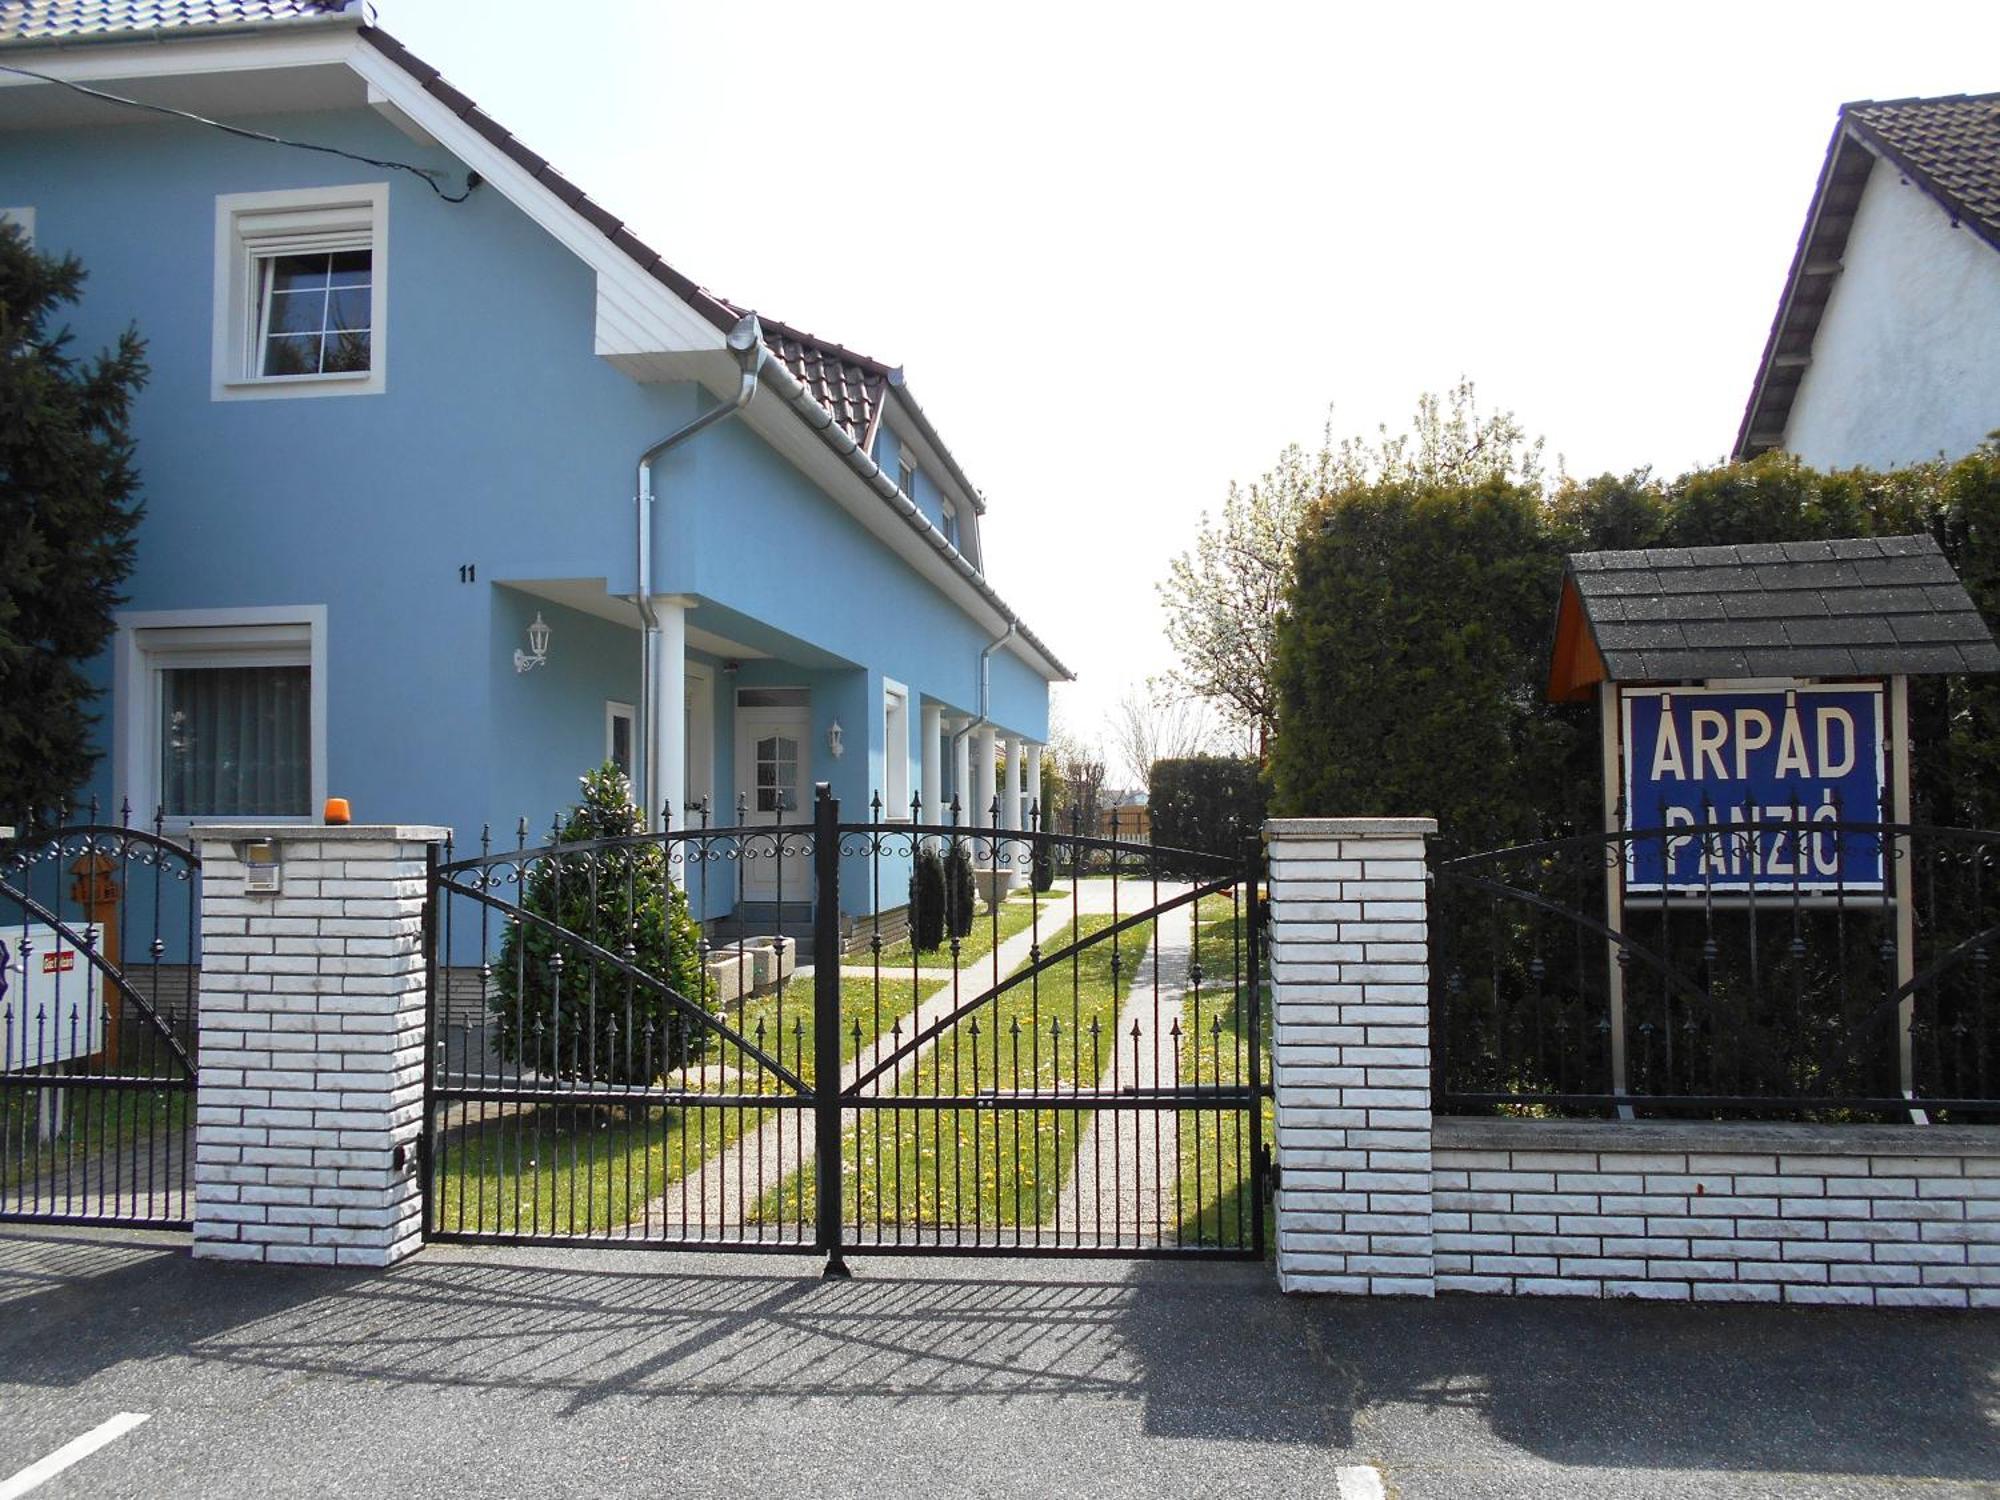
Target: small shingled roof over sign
x,y
1857,607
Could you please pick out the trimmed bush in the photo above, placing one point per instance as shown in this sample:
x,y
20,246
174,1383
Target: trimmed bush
x,y
1208,803
927,900
620,899
941,897
1044,865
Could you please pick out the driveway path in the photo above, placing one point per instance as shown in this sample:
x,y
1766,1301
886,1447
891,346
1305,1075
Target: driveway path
x,y
500,1373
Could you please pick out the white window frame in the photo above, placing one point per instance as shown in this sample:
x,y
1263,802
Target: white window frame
x,y
698,754
907,469
252,227
151,642
25,217
613,712
948,521
895,752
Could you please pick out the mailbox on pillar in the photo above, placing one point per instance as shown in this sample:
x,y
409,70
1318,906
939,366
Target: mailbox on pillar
x,y
1753,705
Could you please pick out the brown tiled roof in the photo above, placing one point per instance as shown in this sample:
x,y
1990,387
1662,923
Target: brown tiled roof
x,y
77,20
1949,147
847,384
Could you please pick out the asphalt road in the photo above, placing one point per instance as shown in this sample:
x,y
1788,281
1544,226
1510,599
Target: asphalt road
x,y
543,1373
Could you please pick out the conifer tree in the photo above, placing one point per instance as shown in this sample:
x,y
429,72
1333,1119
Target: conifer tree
x,y
69,504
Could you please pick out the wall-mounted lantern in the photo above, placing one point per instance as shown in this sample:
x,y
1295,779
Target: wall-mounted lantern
x,y
836,739
537,654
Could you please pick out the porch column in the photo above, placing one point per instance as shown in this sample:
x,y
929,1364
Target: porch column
x,y
985,749
930,768
1033,790
1010,815
666,785
961,774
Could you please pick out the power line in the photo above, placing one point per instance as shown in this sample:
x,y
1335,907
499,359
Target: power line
x,y
428,175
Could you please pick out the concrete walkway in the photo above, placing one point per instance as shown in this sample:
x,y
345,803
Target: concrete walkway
x,y
1122,1189
489,1375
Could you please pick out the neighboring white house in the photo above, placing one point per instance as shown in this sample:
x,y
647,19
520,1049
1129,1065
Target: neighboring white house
x,y
1886,346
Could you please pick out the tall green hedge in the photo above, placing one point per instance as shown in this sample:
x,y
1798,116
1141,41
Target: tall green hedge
x,y
1413,651
1208,803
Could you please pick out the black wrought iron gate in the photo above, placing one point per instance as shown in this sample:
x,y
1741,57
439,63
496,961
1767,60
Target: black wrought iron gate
x,y
1065,1057
98,931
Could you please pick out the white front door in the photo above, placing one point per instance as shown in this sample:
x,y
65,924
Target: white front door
x,y
774,775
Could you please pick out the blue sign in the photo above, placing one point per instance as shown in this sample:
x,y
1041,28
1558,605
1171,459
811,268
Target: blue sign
x,y
1756,763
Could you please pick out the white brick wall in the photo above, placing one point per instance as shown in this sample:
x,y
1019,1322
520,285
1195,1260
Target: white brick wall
x,y
1351,1065
312,1048
1885,1216
1377,1197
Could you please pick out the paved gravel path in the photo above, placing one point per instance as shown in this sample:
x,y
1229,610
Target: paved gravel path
x,y
1121,1191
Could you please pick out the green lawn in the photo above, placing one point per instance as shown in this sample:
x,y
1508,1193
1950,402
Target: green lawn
x,y
1214,1192
570,1170
919,1168
1016,915
98,1124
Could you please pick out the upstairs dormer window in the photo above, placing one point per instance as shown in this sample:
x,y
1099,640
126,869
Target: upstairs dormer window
x,y
300,292
949,524
906,473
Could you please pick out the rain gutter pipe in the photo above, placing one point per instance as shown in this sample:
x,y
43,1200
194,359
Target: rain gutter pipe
x,y
746,342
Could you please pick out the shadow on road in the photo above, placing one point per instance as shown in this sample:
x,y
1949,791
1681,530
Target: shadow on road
x,y
1204,1353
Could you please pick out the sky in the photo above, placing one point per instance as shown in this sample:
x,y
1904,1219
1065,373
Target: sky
x,y
1126,254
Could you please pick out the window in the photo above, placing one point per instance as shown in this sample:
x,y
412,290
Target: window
x,y
314,313
751,697
300,292
222,714
895,751
618,720
777,774
906,473
950,526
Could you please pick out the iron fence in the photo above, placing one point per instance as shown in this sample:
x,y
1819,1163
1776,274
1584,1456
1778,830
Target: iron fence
x,y
1790,995
945,1039
98,929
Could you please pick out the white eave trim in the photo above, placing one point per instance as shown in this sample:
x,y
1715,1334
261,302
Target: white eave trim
x,y
636,314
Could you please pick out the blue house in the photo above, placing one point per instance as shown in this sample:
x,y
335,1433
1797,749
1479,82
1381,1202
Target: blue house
x,y
455,488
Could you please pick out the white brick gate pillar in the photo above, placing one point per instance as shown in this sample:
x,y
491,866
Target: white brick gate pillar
x,y
311,1046
1351,1057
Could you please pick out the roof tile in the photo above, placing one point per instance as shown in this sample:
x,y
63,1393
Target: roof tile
x,y
1828,610
50,20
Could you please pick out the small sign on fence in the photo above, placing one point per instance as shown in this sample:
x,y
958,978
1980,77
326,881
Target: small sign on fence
x,y
51,1001
1771,772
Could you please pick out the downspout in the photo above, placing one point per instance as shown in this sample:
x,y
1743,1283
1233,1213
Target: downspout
x,y
746,342
985,702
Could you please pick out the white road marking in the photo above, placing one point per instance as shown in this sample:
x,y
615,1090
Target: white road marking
x,y
43,1470
1350,1482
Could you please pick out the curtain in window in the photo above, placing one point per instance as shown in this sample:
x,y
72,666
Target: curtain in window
x,y
236,741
